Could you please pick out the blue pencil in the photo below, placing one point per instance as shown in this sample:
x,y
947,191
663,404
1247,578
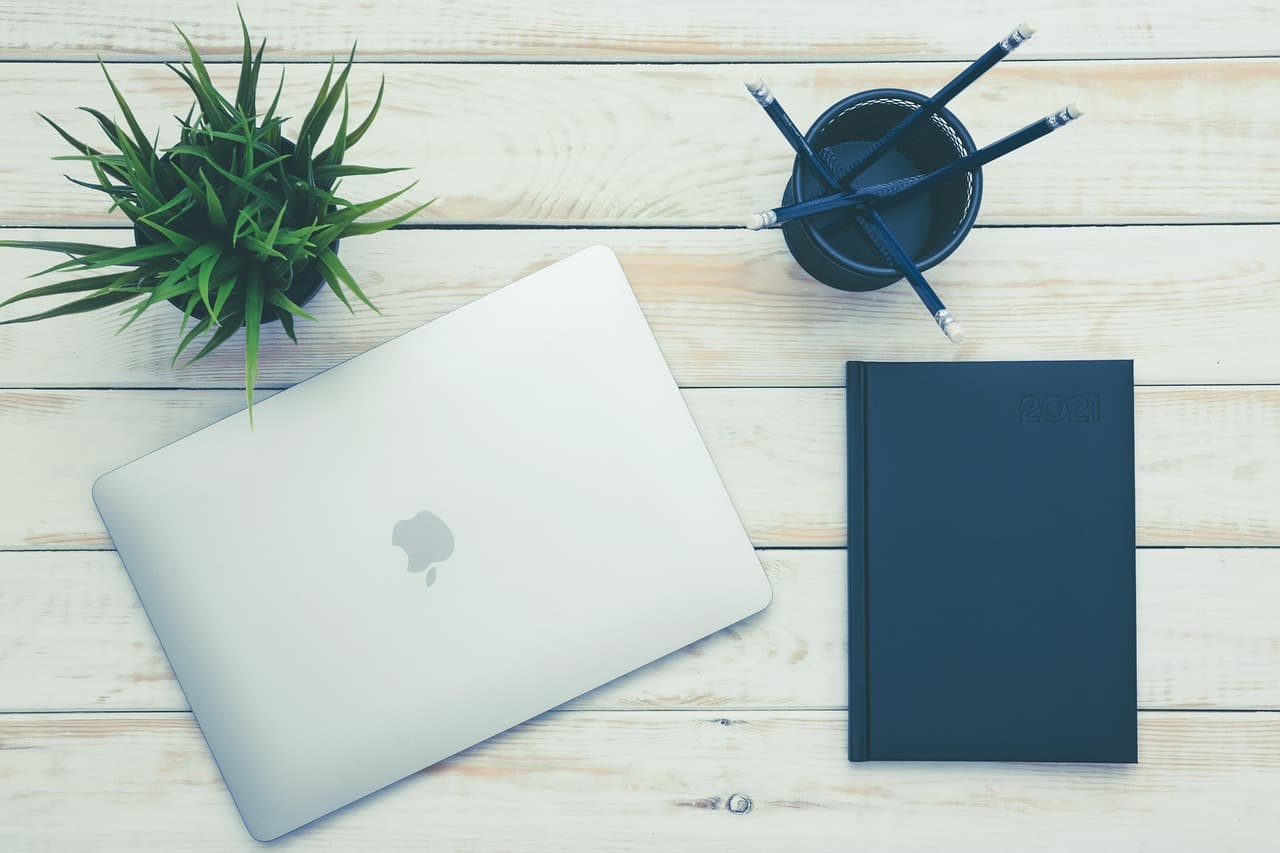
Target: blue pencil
x,y
980,66
905,188
874,226
878,232
765,98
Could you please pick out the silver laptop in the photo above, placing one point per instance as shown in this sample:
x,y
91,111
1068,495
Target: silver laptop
x,y
431,543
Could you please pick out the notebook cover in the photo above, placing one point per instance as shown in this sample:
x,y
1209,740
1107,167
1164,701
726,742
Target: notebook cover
x,y
991,562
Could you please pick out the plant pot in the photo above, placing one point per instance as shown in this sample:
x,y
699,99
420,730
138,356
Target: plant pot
x,y
306,282
832,247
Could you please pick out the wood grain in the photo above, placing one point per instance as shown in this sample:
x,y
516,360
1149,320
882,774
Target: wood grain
x,y
749,781
74,637
732,307
663,30
780,452
676,145
736,743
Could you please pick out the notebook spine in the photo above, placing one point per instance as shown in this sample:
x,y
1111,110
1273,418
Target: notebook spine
x,y
859,652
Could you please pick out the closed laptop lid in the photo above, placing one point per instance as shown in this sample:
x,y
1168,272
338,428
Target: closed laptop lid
x,y
432,542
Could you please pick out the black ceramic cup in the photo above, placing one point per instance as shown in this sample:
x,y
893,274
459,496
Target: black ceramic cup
x,y
831,246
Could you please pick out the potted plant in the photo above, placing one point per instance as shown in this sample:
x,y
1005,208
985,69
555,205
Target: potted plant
x,y
237,224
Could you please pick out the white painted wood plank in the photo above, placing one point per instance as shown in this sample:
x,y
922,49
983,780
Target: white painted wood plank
x,y
1206,460
659,780
1207,632
1163,142
662,30
1190,305
73,638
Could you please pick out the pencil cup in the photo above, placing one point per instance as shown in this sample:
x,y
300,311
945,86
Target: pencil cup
x,y
832,247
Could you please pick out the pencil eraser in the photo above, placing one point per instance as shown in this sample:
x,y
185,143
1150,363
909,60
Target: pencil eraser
x,y
1074,111
753,84
950,326
1026,30
754,222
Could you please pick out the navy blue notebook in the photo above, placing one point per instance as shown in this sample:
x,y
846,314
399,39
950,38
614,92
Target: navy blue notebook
x,y
991,562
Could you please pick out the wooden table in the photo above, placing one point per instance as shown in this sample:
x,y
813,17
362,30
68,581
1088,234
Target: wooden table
x,y
1148,230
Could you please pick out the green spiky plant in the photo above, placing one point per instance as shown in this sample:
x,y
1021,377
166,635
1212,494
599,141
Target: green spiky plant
x,y
234,224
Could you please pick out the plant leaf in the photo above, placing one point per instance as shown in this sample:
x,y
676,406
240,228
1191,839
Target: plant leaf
x,y
363,127
113,190
373,204
228,327
79,306
183,243
202,73
333,156
224,292
333,279
265,251
168,286
202,282
214,206
252,320
213,107
361,229
57,246
75,285
342,171
270,239
286,320
121,257
334,266
247,86
198,330
144,143
306,121
192,301
280,300
71,140
275,102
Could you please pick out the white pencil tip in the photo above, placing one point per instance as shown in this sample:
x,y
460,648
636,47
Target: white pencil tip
x,y
754,222
1073,110
1026,29
753,83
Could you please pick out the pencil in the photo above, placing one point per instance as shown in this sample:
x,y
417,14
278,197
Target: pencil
x,y
769,103
875,228
878,231
940,99
905,188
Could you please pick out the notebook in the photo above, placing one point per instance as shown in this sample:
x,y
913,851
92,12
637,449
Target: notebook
x,y
991,562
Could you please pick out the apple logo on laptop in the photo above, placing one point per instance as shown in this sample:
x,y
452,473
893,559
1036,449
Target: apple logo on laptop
x,y
426,540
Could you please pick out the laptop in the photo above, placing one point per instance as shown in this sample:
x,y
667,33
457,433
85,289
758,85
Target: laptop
x,y
431,543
